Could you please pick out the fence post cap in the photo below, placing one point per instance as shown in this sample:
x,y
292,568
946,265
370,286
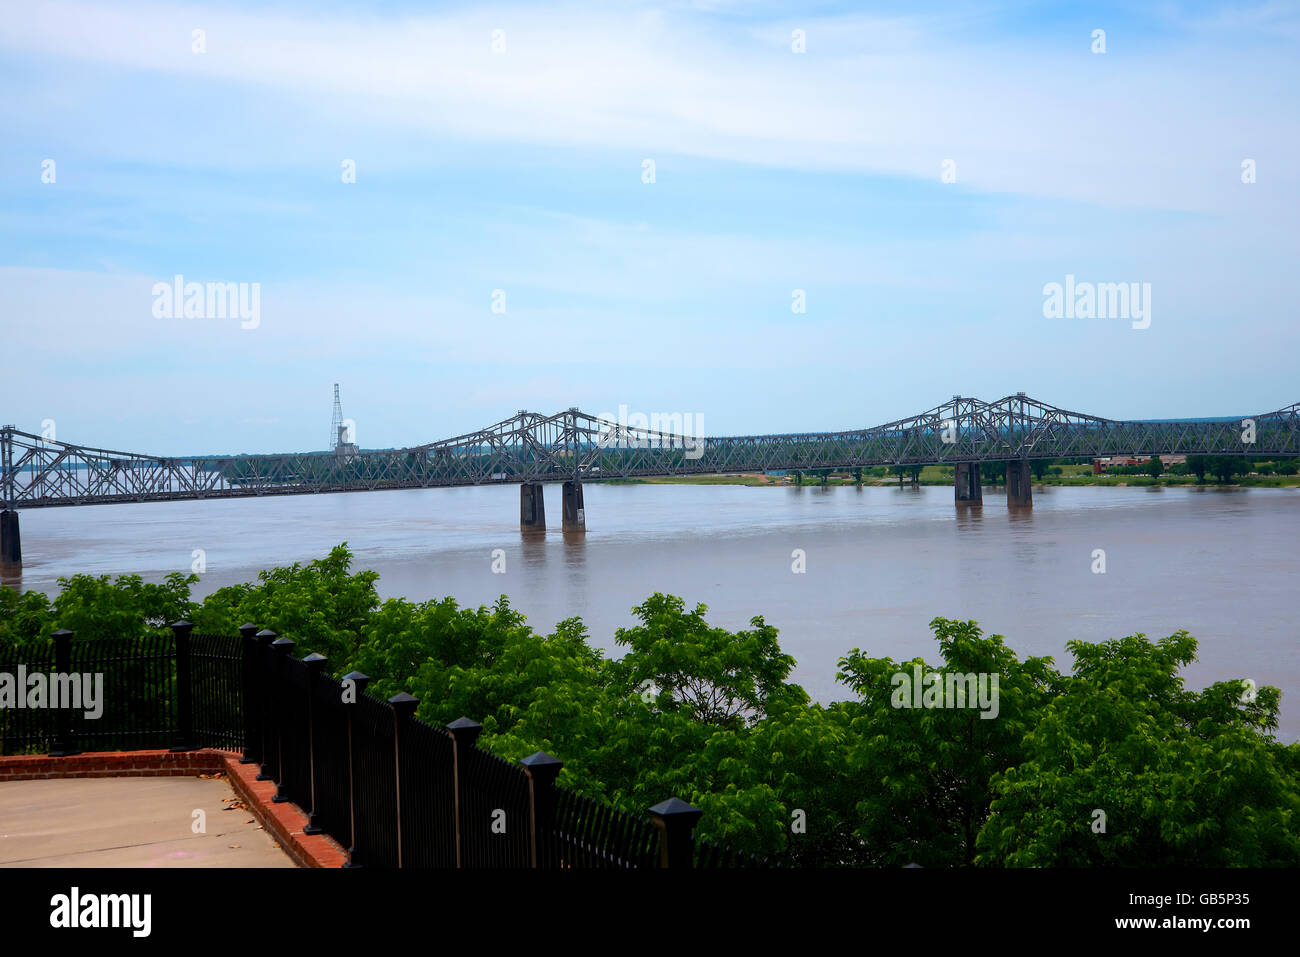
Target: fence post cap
x,y
265,635
542,767
540,759
180,624
282,644
403,704
314,661
675,809
61,633
464,732
359,682
247,629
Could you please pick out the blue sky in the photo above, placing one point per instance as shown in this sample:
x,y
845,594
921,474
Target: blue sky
x,y
522,171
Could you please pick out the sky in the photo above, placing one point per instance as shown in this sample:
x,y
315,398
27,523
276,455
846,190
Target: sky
x,y
915,175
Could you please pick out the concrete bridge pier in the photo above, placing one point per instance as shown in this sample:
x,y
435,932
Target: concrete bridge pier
x,y
1020,489
575,516
11,548
966,486
532,507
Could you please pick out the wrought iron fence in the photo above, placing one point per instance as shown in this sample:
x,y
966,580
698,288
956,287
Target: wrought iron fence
x,y
392,789
25,730
589,833
135,693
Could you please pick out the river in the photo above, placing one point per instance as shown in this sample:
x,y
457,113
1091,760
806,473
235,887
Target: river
x,y
881,562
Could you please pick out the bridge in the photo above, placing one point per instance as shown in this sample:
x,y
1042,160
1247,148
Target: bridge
x,y
572,447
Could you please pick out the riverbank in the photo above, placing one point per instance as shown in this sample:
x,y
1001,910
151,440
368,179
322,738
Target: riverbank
x,y
1071,476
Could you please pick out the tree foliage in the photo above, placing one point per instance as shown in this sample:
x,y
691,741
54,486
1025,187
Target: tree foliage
x,y
1180,778
709,715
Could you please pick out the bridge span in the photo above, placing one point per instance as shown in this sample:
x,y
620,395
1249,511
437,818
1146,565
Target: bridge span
x,y
573,447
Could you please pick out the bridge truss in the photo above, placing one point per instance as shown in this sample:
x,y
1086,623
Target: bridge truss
x,y
572,445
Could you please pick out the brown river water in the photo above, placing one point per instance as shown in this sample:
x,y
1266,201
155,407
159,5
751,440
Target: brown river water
x,y
881,562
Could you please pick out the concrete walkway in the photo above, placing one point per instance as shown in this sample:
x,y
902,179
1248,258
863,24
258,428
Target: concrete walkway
x,y
129,822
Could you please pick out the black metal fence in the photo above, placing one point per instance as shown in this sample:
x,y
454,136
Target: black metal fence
x,y
125,694
392,789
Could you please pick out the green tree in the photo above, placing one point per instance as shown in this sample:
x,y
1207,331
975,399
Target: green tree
x,y
1226,467
1155,467
710,674
126,607
24,616
923,775
322,605
1182,778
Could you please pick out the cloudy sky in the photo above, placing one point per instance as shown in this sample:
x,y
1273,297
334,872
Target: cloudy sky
x,y
521,168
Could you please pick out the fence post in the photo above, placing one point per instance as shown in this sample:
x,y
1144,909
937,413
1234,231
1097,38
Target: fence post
x,y
314,663
359,682
464,733
63,743
542,770
281,646
676,821
184,688
248,634
264,639
403,706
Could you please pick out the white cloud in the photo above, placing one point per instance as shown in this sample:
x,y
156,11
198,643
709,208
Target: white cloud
x,y
879,94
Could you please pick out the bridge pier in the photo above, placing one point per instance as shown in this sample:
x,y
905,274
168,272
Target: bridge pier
x,y
966,486
11,548
575,516
1020,490
532,507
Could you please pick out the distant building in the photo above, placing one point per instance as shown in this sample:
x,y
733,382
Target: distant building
x,y
344,449
1106,462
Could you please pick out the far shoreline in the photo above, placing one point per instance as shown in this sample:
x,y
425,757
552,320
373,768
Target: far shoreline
x,y
787,480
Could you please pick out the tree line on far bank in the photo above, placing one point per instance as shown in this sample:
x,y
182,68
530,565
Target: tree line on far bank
x,y
1113,763
1224,468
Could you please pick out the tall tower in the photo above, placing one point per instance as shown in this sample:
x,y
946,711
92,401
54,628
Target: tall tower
x,y
336,423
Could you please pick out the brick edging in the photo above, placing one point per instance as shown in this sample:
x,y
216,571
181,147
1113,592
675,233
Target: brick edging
x,y
111,764
284,822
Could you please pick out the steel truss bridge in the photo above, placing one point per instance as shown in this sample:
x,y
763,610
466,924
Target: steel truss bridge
x,y
574,446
